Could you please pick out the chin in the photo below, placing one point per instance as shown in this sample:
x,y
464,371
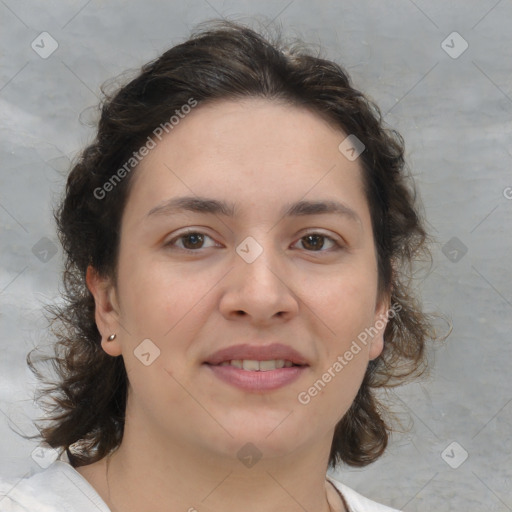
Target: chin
x,y
272,440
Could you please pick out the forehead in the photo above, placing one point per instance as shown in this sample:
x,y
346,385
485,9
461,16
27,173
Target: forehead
x,y
238,128
260,151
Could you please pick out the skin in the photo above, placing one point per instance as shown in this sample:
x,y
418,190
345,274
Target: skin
x,y
184,426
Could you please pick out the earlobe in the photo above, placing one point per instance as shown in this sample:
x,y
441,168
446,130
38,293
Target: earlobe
x,y
106,310
380,322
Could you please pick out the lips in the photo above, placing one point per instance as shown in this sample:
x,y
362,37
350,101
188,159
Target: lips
x,y
257,368
275,351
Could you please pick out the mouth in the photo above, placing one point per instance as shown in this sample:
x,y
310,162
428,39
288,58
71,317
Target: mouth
x,y
258,357
256,381
257,369
254,365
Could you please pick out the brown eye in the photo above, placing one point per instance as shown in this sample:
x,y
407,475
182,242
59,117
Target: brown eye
x,y
315,242
191,241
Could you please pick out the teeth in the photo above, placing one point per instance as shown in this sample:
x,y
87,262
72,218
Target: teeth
x,y
271,365
253,365
250,364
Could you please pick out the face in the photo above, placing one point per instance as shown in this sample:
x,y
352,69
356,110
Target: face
x,y
256,274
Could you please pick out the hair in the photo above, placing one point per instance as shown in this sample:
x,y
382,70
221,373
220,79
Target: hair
x,y
224,61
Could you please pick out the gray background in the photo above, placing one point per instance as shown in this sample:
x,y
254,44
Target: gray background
x,y
455,115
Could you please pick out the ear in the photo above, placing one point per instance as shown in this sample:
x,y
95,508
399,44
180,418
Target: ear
x,y
106,313
380,322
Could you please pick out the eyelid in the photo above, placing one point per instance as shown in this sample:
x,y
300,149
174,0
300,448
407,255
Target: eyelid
x,y
188,231
339,244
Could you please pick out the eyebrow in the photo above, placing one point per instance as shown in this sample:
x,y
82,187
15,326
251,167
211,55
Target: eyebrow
x,y
216,207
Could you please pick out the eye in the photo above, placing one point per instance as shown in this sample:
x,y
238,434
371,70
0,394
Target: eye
x,y
317,240
192,240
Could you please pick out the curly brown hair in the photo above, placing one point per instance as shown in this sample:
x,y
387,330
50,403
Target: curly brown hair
x,y
225,60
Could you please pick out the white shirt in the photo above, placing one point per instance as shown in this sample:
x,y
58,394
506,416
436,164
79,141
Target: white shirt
x,y
61,488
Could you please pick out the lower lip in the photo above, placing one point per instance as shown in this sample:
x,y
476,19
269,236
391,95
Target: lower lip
x,y
257,380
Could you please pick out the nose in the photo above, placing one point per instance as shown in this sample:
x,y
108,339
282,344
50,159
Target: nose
x,y
259,291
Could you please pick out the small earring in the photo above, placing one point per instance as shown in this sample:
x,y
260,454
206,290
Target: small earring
x,y
111,337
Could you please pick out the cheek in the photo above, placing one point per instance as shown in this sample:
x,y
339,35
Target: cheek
x,y
157,295
349,304
347,310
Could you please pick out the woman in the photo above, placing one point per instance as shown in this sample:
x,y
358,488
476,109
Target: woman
x,y
237,242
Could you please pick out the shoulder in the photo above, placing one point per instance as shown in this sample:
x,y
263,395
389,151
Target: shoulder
x,y
58,488
358,503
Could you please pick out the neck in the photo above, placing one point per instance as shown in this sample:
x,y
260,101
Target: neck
x,y
159,476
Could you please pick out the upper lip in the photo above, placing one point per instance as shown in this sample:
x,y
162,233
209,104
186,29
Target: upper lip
x,y
257,353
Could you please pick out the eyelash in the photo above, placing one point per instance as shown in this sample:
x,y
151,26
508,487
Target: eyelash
x,y
338,245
